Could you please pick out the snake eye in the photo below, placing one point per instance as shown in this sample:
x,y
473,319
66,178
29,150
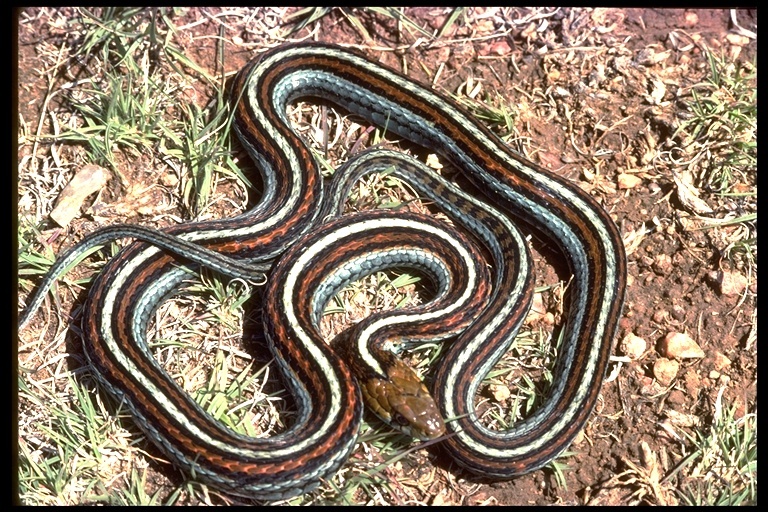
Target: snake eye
x,y
399,419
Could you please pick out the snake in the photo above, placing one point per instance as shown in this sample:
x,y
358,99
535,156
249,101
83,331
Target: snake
x,y
296,237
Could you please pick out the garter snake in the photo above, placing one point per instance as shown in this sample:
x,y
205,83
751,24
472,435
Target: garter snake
x,y
132,284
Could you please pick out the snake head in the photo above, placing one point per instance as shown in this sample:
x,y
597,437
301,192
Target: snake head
x,y
403,401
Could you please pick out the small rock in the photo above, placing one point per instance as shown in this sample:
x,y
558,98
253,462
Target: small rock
x,y
678,345
678,312
500,392
627,181
721,361
665,370
660,316
737,39
676,397
691,19
662,264
728,283
633,346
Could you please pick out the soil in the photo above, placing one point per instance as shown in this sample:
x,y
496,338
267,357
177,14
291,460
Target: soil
x,y
597,93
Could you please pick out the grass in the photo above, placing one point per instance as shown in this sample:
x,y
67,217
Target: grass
x,y
120,114
68,453
310,15
722,469
723,123
719,138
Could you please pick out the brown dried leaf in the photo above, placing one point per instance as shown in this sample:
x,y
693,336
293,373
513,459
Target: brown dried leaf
x,y
89,179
